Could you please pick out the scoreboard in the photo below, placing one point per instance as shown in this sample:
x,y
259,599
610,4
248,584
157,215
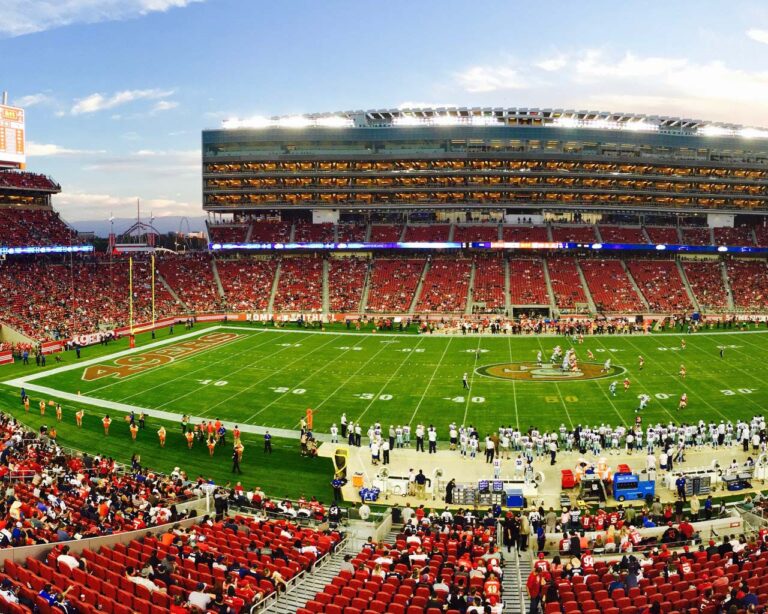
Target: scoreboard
x,y
12,146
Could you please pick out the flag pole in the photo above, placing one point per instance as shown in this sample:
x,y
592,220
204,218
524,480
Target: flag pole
x,y
153,292
130,293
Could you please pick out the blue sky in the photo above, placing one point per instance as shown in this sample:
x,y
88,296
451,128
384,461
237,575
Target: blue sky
x,y
117,91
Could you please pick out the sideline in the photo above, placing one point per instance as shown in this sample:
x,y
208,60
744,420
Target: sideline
x,y
441,335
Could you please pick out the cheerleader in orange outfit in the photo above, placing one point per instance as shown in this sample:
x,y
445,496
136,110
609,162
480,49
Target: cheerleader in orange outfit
x,y
106,421
161,436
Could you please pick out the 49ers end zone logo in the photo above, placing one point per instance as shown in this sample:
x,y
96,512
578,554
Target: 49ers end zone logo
x,y
131,365
532,372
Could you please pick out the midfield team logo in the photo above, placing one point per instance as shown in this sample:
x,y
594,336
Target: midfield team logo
x,y
533,372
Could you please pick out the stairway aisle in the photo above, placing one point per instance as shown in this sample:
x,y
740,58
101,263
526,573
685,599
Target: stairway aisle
x,y
312,583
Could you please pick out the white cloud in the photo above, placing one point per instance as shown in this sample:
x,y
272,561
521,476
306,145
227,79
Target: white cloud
x,y
31,100
761,36
596,66
629,82
49,150
164,105
28,16
491,78
553,64
86,206
99,102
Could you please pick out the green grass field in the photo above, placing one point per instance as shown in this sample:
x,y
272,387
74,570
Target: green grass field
x,y
269,378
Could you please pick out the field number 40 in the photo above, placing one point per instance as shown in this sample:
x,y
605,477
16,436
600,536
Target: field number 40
x,y
220,382
730,393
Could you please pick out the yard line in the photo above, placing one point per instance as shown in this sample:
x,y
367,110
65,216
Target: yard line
x,y
641,386
346,381
20,381
174,362
229,374
712,374
557,387
310,376
471,381
747,373
391,377
514,386
229,357
546,335
333,339
429,383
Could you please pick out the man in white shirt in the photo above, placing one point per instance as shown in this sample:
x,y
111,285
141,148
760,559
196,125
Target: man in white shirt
x,y
67,559
199,598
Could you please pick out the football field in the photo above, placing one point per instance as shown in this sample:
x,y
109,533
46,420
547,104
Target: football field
x,y
246,375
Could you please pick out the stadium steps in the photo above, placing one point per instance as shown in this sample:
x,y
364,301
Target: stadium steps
x,y
273,291
550,291
312,583
368,232
507,286
217,279
419,286
326,294
451,231
598,234
470,291
500,237
754,236
171,291
634,285
293,232
249,233
402,232
726,282
587,293
646,235
549,232
517,567
687,286
366,287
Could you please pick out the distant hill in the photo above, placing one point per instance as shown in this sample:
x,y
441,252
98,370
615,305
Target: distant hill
x,y
162,224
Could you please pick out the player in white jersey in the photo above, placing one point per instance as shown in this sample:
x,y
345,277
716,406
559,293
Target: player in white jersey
x,y
606,366
538,358
644,399
612,388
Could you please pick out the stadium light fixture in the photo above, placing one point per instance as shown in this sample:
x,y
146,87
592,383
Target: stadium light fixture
x,y
712,130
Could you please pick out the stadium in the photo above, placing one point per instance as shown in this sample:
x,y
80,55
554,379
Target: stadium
x,y
566,309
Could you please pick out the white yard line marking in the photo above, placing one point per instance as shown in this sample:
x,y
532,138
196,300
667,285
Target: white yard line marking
x,y
429,383
333,339
346,381
455,334
557,387
195,390
205,367
320,369
21,381
514,386
471,381
391,377
711,374
627,375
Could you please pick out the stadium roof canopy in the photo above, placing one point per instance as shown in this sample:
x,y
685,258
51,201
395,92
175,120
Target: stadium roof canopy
x,y
498,116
